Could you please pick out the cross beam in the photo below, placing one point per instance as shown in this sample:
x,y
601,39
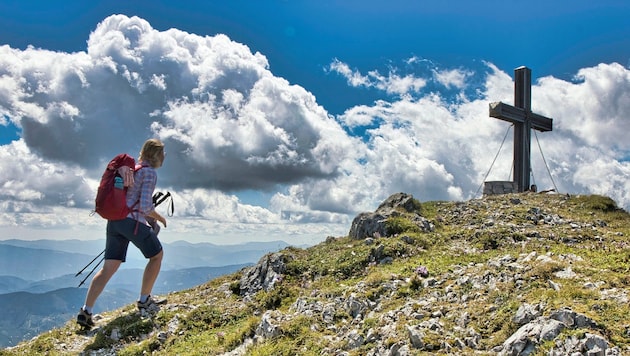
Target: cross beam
x,y
524,120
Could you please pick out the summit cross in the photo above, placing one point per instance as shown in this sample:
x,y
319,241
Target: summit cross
x,y
524,120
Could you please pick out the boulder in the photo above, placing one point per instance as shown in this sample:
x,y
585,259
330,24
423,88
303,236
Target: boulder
x,y
529,336
263,275
373,224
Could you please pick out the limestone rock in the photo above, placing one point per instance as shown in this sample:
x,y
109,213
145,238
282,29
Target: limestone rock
x,y
263,275
373,224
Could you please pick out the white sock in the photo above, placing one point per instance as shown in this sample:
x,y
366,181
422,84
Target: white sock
x,y
87,309
144,297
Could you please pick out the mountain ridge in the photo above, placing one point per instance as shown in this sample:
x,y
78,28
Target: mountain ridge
x,y
45,273
516,274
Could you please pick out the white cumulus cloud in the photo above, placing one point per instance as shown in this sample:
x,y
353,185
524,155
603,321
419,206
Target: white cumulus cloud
x,y
230,125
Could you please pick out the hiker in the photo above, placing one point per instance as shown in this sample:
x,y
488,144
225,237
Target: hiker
x,y
134,228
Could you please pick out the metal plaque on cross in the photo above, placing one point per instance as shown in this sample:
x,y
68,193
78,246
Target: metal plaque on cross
x,y
524,120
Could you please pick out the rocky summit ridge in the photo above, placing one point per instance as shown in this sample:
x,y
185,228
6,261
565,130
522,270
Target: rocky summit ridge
x,y
515,274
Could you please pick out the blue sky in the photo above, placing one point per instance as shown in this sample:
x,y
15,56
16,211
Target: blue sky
x,y
321,108
301,37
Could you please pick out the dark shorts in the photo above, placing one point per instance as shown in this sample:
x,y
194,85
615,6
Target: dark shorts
x,y
120,232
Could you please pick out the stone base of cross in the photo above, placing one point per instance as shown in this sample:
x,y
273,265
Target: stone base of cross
x,y
524,120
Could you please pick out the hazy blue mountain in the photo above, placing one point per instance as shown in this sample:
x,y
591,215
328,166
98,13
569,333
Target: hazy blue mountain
x,y
25,315
51,303
38,287
37,264
11,284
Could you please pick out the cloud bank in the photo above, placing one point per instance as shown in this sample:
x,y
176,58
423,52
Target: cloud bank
x,y
231,128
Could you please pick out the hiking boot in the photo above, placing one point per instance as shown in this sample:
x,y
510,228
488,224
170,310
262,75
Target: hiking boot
x,y
85,319
151,304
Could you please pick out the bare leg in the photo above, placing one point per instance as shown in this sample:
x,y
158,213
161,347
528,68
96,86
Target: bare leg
x,y
151,272
100,280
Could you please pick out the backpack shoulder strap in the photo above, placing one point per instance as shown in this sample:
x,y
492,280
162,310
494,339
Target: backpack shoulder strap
x,y
120,160
140,165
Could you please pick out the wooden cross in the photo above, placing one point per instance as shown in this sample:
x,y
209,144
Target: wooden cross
x,y
524,120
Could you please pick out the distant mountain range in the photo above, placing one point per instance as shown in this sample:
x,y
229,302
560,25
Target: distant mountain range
x,y
25,315
48,259
168,281
38,287
46,304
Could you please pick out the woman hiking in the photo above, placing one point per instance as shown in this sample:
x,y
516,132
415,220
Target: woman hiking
x,y
135,228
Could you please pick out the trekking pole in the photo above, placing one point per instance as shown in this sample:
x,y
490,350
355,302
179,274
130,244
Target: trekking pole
x,y
92,271
86,266
159,198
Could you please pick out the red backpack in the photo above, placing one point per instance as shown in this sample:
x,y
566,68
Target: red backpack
x,y
111,197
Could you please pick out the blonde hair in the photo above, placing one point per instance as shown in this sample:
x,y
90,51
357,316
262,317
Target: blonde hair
x,y
152,152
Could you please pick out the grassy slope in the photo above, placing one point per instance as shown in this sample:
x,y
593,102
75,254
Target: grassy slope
x,y
211,319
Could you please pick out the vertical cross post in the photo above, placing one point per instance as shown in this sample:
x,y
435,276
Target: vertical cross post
x,y
524,120
522,132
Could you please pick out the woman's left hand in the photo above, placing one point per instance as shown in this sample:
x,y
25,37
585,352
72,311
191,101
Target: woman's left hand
x,y
127,175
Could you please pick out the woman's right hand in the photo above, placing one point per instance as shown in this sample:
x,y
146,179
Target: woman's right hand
x,y
157,216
